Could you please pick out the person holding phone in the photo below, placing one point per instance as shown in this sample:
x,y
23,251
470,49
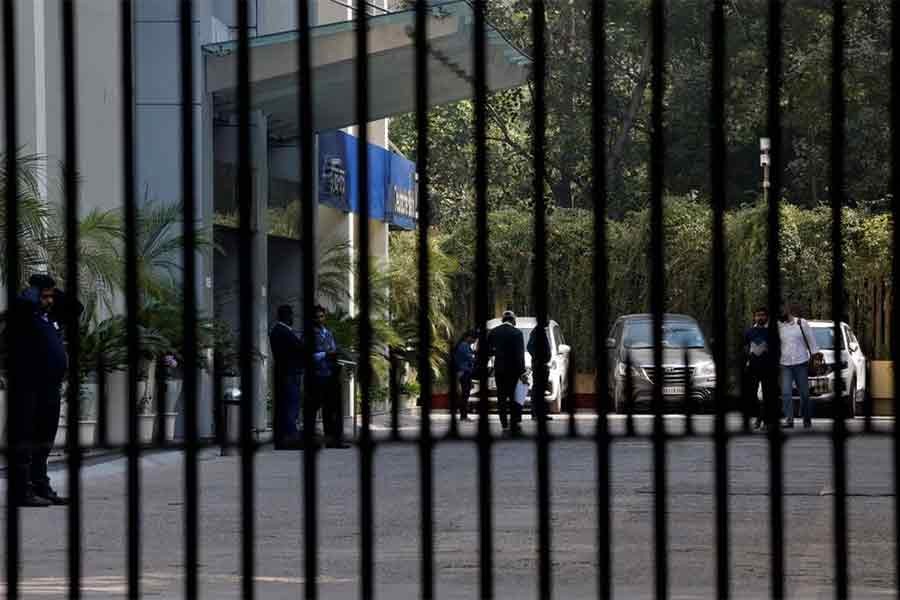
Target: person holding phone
x,y
40,316
325,383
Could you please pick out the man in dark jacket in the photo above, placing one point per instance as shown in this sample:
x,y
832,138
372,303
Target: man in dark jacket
x,y
39,318
507,346
464,368
538,336
759,367
324,383
287,352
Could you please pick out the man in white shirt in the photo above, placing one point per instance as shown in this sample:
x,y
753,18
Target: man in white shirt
x,y
798,346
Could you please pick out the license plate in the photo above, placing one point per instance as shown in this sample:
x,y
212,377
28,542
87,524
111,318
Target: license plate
x,y
673,391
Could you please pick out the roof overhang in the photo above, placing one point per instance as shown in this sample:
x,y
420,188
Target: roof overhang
x,y
274,68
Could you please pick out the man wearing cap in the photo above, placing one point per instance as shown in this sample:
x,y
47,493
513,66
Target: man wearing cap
x,y
507,346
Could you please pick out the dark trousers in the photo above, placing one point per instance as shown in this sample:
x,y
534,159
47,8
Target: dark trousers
x,y
287,407
38,420
462,400
506,391
324,395
760,372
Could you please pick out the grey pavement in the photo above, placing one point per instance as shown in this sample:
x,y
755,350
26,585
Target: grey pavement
x,y
808,506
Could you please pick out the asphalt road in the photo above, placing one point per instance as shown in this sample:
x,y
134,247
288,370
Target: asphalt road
x,y
808,512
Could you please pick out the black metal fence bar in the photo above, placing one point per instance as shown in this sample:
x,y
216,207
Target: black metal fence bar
x,y
541,347
73,399
719,201
485,491
189,315
366,448
247,302
838,199
307,170
426,460
657,292
895,267
13,441
601,303
133,450
776,483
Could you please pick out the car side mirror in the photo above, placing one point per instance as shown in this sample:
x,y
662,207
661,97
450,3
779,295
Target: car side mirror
x,y
854,346
565,349
610,343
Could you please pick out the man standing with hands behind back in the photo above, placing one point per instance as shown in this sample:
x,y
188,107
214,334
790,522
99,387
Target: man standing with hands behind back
x,y
507,345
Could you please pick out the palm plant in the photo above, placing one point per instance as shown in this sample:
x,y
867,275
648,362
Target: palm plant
x,y
100,271
160,247
403,280
33,214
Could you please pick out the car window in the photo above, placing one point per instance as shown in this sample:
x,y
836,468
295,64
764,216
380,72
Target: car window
x,y
639,334
824,337
616,333
558,336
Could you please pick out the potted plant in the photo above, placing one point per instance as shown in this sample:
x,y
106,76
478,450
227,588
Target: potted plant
x,y
146,415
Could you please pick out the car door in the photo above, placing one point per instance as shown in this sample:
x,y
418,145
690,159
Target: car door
x,y
561,359
856,357
612,355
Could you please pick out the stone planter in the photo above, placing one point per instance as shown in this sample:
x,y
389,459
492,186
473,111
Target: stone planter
x,y
146,427
60,441
173,395
881,386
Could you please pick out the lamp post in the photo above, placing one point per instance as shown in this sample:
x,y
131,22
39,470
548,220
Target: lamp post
x,y
764,145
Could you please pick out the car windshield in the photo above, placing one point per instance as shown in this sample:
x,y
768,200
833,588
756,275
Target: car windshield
x,y
675,335
824,337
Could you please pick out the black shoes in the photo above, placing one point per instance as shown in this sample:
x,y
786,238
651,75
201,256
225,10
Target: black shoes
x,y
32,500
51,496
807,424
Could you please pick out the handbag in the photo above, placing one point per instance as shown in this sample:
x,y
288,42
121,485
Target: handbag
x,y
816,361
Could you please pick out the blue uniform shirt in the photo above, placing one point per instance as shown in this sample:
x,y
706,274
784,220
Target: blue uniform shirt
x,y
464,357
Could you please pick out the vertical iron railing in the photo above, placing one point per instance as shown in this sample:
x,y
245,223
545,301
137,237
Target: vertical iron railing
x,y
189,315
13,442
132,291
307,170
601,302
485,491
540,357
426,461
776,439
248,292
720,344
73,326
366,448
838,201
657,292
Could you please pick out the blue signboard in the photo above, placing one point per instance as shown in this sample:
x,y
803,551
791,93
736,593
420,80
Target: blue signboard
x,y
403,209
392,188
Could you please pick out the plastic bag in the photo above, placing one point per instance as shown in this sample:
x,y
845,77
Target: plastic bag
x,y
521,393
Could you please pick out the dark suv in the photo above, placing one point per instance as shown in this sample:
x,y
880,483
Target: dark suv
x,y
687,369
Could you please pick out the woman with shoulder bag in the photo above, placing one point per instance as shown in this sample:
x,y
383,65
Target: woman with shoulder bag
x,y
800,357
